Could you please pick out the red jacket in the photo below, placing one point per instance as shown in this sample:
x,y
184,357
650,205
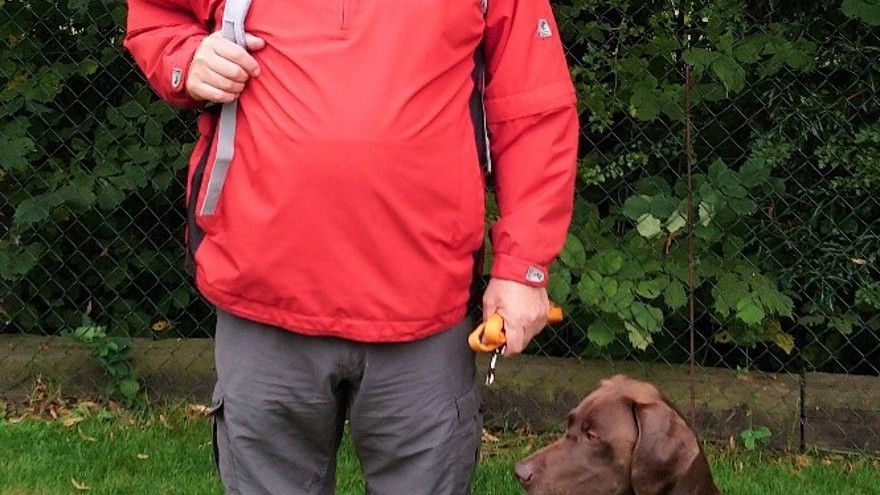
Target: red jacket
x,y
354,204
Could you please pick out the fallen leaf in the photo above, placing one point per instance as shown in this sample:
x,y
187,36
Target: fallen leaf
x,y
89,405
143,456
80,486
16,420
72,420
162,325
196,411
488,437
802,460
86,437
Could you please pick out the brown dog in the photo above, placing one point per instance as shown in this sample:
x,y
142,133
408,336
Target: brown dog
x,y
625,438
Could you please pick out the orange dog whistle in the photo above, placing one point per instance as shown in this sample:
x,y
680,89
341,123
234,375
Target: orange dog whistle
x,y
489,335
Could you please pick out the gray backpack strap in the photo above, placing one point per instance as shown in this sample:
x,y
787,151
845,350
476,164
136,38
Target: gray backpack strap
x,y
481,69
233,30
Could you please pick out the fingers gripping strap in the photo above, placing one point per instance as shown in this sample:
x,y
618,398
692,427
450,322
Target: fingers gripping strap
x,y
233,29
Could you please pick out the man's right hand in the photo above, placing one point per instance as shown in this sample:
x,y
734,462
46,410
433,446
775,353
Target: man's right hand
x,y
220,68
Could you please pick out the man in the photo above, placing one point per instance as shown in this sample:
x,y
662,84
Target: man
x,y
339,242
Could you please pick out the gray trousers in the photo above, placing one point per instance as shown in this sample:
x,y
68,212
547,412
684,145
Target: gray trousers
x,y
282,398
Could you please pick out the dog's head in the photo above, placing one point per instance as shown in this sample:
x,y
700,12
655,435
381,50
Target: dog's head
x,y
622,439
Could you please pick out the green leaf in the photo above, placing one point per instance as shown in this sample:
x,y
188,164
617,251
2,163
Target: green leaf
x,y
812,320
609,287
730,184
131,109
730,73
639,338
651,289
181,297
705,213
78,193
622,300
88,67
651,186
589,288
645,103
771,298
710,92
14,152
742,206
728,291
18,262
754,172
709,233
647,316
129,388
558,286
573,253
748,51
676,222
153,135
607,261
753,438
867,11
844,323
600,333
700,58
784,341
649,226
33,210
675,296
636,206
662,206
749,310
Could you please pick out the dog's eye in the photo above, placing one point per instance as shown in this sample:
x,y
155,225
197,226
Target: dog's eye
x,y
590,434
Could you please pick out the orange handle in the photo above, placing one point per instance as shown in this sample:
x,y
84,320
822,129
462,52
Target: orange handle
x,y
489,335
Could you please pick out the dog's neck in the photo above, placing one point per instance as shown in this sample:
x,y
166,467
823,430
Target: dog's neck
x,y
696,480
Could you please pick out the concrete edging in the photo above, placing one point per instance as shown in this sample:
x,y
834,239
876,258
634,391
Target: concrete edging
x,y
840,411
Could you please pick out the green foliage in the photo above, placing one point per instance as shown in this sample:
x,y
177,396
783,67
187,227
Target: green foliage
x,y
114,356
785,134
786,161
756,439
867,11
90,175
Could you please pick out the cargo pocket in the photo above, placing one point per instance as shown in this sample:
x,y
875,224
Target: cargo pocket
x,y
470,422
224,457
214,412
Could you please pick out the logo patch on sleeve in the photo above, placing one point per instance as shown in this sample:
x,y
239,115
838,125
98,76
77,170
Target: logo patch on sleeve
x,y
535,275
176,78
544,29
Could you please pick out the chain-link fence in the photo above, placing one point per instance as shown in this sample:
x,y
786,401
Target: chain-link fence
x,y
725,231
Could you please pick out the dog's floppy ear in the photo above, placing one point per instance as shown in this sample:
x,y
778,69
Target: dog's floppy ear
x,y
665,448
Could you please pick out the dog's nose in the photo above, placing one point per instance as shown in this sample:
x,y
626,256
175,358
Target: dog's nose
x,y
524,472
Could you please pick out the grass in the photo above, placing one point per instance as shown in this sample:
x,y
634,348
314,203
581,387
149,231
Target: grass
x,y
88,450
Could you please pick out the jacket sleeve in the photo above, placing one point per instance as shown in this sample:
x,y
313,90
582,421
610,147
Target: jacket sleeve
x,y
532,120
162,37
